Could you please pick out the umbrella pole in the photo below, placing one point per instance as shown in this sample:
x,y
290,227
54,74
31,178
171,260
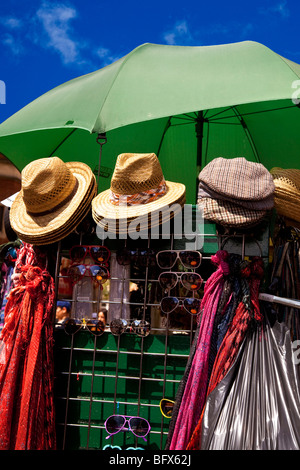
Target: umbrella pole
x,y
101,140
199,135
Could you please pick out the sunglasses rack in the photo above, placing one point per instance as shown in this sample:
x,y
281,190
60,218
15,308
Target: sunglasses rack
x,y
126,370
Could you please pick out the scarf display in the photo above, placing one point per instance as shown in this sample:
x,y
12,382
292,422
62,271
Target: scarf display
x,y
27,418
8,255
248,311
194,393
230,306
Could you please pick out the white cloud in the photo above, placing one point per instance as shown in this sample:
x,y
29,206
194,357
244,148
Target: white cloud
x,y
56,20
246,30
12,43
280,8
11,38
106,56
178,35
11,22
52,27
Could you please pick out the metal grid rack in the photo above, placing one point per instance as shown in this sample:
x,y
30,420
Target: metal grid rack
x,y
126,374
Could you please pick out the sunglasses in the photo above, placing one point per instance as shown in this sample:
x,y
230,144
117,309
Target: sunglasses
x,y
191,281
142,258
72,326
141,328
166,407
99,254
98,273
191,305
140,427
189,259
108,446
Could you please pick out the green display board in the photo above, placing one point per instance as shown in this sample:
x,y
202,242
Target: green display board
x,y
115,375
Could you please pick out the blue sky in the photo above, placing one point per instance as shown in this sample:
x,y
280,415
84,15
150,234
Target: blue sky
x,y
43,43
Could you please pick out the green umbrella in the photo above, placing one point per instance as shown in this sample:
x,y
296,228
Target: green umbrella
x,y
186,104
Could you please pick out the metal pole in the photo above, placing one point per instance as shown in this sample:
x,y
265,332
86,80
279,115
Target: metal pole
x,y
279,300
101,140
199,136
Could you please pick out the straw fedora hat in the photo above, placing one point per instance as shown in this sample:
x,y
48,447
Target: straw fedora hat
x,y
55,197
287,192
138,189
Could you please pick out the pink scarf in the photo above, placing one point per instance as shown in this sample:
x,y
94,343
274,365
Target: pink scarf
x,y
195,390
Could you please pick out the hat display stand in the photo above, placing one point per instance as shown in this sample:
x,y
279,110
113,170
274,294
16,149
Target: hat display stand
x,y
135,371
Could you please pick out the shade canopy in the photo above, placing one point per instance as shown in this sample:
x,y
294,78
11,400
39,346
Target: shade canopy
x,y
186,104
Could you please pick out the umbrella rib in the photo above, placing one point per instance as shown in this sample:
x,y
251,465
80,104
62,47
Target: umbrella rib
x,y
220,112
225,123
60,144
258,112
183,124
163,135
186,118
248,134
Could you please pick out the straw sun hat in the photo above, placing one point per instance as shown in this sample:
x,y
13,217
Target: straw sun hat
x,y
55,197
287,192
138,189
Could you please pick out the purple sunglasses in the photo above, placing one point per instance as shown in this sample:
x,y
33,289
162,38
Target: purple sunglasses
x,y
137,425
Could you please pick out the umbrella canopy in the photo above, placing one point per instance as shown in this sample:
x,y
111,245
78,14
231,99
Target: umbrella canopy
x,y
186,104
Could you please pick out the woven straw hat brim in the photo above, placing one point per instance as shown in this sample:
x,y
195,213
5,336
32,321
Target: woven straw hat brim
x,y
286,179
288,207
44,227
68,228
103,208
287,192
285,188
149,220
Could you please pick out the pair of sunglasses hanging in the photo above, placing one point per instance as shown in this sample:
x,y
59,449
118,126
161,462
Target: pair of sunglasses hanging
x,y
192,281
141,328
73,325
189,280
190,259
98,253
166,407
138,257
191,304
139,426
97,272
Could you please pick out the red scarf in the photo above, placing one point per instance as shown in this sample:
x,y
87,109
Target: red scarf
x,y
27,420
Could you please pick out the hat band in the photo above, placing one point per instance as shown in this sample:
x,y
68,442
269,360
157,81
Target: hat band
x,y
58,206
139,198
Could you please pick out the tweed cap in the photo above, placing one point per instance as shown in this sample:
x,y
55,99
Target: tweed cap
x,y
261,204
238,179
229,214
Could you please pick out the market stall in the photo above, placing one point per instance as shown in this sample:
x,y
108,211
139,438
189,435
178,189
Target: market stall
x,y
142,250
